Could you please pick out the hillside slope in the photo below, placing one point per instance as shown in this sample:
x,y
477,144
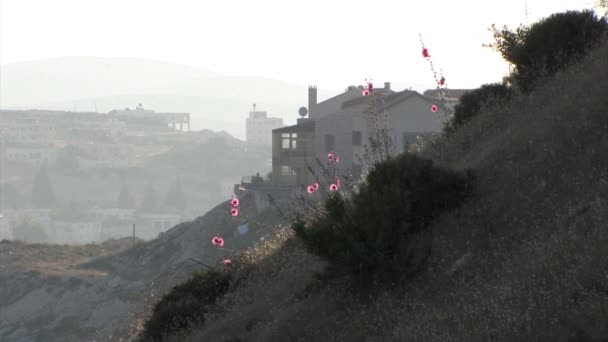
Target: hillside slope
x,y
532,243
46,297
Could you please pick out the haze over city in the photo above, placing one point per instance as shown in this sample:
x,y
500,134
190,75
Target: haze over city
x,y
331,44
386,170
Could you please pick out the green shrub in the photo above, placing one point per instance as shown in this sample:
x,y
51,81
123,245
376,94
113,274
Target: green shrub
x,y
185,305
381,230
474,101
549,45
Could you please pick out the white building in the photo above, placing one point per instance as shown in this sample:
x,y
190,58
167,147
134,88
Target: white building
x,y
107,156
259,128
118,214
28,131
75,232
5,230
150,225
32,155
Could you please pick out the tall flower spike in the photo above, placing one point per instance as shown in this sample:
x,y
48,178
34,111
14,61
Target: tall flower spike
x,y
425,53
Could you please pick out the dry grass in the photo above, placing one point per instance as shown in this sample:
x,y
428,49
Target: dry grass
x,y
536,227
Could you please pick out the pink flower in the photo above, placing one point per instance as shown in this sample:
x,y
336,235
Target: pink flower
x,y
234,212
442,81
433,108
337,159
425,53
365,92
217,241
316,186
333,187
370,86
235,202
330,156
311,189
227,262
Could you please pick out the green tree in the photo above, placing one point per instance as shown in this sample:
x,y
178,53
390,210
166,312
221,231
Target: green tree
x,y
42,192
125,199
9,197
149,202
549,45
30,230
474,101
175,197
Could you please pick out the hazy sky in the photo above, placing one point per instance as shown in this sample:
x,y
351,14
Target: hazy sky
x,y
328,43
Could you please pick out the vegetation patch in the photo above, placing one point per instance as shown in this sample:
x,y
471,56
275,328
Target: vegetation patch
x,y
185,306
380,231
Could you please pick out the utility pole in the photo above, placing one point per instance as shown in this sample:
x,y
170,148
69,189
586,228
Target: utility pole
x,y
133,239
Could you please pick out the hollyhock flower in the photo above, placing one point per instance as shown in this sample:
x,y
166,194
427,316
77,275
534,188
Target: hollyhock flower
x,y
216,240
370,86
365,92
220,241
227,262
234,212
425,53
333,187
433,108
330,156
311,189
316,186
235,202
337,159
442,81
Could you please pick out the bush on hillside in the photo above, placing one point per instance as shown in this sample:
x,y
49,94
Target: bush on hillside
x,y
549,45
474,101
376,233
185,305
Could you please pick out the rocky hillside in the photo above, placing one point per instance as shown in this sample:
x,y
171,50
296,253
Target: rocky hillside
x,y
524,260
63,293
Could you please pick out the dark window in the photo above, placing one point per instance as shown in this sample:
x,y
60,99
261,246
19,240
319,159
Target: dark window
x,y
409,138
330,143
357,138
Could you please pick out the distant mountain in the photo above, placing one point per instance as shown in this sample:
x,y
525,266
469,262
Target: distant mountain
x,y
90,83
70,78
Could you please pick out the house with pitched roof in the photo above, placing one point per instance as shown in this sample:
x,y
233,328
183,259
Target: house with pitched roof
x,y
342,125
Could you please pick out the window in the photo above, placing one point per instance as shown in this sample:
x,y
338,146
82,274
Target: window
x,y
408,139
330,143
289,140
287,171
357,138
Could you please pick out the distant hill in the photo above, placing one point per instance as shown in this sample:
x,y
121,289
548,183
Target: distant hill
x,y
90,83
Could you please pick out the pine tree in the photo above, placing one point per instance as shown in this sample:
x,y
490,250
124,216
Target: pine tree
x,y
42,192
175,197
149,202
125,199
